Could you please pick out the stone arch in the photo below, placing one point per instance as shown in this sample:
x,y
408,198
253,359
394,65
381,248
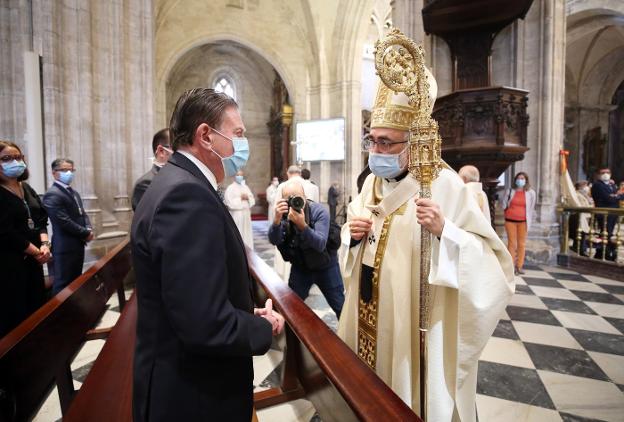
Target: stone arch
x,y
579,6
614,79
598,86
165,73
571,88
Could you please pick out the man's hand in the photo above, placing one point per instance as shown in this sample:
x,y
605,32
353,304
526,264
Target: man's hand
x,y
276,320
280,209
44,254
244,197
359,227
429,216
298,219
90,237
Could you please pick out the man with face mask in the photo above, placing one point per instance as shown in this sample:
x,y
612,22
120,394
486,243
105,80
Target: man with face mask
x,y
270,196
71,227
239,199
605,195
197,329
471,278
161,146
301,231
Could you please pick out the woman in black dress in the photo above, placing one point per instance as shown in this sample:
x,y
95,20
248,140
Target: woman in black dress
x,y
24,245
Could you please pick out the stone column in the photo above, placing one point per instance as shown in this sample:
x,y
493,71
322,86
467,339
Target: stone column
x,y
13,30
84,77
541,70
121,82
407,16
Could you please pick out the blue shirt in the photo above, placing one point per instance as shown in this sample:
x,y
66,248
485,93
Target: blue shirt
x,y
314,238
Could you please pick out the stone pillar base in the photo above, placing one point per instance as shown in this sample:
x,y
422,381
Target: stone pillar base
x,y
543,244
122,212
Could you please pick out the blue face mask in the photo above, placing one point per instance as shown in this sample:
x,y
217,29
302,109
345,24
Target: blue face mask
x,y
66,177
520,183
236,161
239,179
13,169
387,166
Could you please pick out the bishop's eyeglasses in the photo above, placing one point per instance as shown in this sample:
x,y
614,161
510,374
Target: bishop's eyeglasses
x,y
383,144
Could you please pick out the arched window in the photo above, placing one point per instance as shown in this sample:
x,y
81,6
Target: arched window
x,y
225,85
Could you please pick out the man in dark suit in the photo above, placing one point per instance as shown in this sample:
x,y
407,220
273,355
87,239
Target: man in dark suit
x,y
604,193
197,329
332,201
162,151
71,227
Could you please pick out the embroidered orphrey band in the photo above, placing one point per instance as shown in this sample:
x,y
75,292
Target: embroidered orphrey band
x,y
367,312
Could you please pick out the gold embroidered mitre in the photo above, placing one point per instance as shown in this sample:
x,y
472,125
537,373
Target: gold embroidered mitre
x,y
392,109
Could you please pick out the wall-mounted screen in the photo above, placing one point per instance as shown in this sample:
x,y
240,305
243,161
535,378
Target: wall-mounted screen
x,y
321,140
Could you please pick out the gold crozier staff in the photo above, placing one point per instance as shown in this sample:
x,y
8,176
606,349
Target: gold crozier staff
x,y
400,64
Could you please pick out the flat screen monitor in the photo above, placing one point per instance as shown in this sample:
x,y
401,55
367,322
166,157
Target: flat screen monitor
x,y
321,140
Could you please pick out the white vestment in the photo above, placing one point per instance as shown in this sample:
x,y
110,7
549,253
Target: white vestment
x,y
471,281
481,197
311,191
241,209
270,197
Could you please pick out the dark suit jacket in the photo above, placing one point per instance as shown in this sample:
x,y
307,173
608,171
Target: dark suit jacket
x,y
142,184
332,196
196,332
605,195
70,223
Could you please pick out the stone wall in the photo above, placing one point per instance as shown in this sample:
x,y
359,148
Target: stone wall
x,y
97,67
253,79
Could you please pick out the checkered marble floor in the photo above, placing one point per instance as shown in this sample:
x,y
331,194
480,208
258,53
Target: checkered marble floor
x,y
556,355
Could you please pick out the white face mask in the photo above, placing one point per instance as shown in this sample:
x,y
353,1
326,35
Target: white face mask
x,y
605,177
585,189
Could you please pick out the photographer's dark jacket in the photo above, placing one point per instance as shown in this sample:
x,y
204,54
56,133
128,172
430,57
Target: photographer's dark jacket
x,y
303,248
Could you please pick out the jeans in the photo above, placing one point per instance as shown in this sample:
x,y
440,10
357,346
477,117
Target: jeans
x,y
328,280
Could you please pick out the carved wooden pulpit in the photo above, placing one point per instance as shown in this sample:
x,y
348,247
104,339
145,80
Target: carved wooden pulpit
x,y
480,124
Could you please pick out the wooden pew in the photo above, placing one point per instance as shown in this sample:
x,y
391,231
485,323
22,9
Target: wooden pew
x,y
38,353
106,394
318,366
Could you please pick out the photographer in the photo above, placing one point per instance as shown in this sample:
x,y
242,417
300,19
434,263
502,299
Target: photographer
x,y
301,232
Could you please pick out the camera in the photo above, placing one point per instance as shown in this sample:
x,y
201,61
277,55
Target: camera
x,y
295,202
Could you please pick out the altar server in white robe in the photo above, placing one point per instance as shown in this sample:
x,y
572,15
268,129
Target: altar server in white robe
x,y
471,277
470,175
270,197
239,199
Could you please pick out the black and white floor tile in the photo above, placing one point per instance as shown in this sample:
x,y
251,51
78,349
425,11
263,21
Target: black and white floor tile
x,y
557,353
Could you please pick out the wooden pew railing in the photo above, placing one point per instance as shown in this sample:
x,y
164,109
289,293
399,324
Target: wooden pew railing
x,y
319,365
38,353
106,394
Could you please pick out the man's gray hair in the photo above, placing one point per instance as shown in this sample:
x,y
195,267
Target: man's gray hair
x,y
469,174
294,184
59,162
294,170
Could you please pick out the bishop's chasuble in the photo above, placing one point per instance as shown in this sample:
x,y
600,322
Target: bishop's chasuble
x,y
471,282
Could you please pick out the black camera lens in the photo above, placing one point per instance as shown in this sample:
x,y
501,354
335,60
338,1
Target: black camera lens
x,y
296,202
